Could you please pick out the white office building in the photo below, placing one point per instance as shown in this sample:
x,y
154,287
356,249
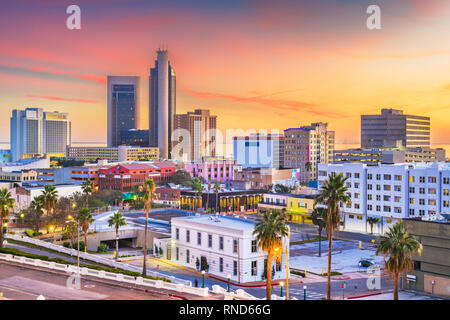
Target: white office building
x,y
35,132
226,244
391,192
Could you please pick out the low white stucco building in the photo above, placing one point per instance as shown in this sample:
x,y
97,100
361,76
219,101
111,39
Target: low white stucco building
x,y
227,244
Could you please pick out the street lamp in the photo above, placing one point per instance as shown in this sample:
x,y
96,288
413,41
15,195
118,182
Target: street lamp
x,y
229,279
304,292
203,278
281,287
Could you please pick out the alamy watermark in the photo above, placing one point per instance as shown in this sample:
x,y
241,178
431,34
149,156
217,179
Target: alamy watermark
x,y
73,22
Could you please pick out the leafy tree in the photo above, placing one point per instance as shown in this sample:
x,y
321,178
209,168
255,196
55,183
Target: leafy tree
x,y
71,232
117,220
7,204
87,186
181,177
85,218
372,221
279,188
400,246
147,191
332,194
269,231
268,188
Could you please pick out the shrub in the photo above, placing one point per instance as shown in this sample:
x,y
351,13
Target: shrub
x,y
298,273
101,247
29,233
66,244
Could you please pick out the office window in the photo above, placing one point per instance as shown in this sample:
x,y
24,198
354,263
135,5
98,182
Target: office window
x,y
254,246
209,240
199,238
188,236
177,234
235,268
254,268
235,246
221,243
188,253
220,264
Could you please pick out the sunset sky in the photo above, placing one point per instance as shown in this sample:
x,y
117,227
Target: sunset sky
x,y
255,64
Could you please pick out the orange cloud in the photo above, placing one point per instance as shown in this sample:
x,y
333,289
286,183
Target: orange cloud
x,y
54,98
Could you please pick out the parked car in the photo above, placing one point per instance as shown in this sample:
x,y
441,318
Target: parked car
x,y
365,263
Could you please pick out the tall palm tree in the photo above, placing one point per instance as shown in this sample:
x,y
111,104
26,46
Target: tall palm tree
x,y
217,190
197,186
117,220
400,246
269,231
85,218
207,196
333,193
87,186
7,204
49,200
371,221
319,218
147,190
37,206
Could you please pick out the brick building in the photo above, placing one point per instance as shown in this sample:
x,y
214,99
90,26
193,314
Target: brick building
x,y
125,177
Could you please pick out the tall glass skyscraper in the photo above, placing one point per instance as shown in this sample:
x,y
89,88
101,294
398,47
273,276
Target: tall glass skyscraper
x,y
123,106
162,104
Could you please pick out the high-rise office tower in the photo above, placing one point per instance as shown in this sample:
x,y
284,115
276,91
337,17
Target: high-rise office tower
x,y
123,106
306,147
35,132
201,127
394,129
162,104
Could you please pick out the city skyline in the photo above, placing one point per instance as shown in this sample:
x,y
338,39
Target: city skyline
x,y
252,65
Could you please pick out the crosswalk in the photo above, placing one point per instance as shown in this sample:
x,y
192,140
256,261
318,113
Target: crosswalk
x,y
310,295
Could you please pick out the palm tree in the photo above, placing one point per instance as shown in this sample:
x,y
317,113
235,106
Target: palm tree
x,y
7,204
269,231
207,196
400,246
319,218
308,166
197,186
85,218
87,186
49,200
37,206
371,221
333,193
148,190
217,190
117,220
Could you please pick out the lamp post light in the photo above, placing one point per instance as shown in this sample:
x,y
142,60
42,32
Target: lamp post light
x,y
229,279
304,292
203,278
281,289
